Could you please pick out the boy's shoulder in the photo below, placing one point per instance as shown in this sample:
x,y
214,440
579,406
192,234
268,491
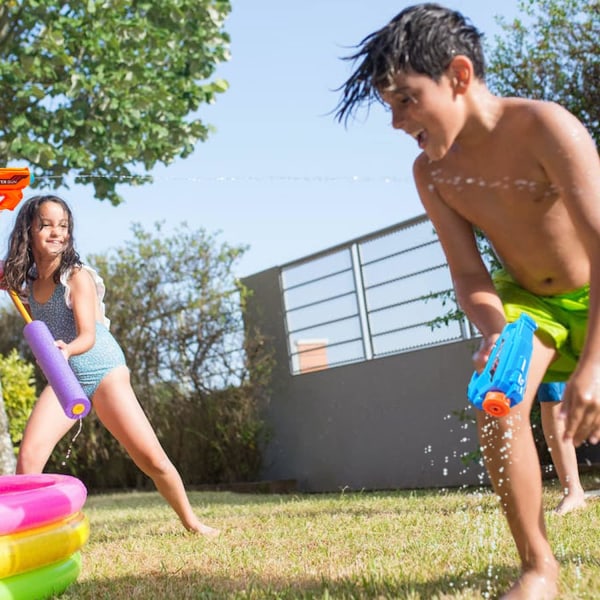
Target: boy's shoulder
x,y
536,125
530,107
538,115
517,120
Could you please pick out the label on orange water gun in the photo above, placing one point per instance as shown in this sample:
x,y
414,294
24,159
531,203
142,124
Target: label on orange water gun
x,y
12,183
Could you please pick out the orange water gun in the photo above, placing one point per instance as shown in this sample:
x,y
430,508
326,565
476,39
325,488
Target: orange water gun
x,y
12,182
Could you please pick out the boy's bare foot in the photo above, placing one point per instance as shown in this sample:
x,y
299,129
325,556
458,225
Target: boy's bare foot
x,y
570,502
534,585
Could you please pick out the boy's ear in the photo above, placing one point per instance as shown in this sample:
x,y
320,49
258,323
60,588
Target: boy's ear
x,y
460,72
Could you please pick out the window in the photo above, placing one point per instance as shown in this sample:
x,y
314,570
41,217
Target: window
x,y
386,293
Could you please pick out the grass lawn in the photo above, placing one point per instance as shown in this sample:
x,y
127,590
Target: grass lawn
x,y
425,544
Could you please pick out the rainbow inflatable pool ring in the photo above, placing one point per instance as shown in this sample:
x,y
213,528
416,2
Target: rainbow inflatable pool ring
x,y
42,529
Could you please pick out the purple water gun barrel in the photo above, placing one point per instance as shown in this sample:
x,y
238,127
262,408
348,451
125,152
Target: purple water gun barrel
x,y
55,367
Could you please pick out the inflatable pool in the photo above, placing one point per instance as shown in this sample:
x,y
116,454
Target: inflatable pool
x,y
42,529
45,582
28,501
32,548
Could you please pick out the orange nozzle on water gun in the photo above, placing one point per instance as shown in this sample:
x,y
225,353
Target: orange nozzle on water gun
x,y
12,182
496,404
502,382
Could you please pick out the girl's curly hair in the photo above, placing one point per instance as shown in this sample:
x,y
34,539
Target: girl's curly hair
x,y
19,265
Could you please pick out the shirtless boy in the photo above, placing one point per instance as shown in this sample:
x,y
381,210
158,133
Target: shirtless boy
x,y
527,174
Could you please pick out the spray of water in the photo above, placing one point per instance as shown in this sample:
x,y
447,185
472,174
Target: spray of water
x,y
70,448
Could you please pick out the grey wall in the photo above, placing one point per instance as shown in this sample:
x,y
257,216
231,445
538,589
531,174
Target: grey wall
x,y
380,424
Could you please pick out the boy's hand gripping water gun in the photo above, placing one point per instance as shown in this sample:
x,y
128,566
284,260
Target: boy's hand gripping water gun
x,y
502,383
12,182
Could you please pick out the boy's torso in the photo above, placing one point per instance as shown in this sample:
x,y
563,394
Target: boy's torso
x,y
499,185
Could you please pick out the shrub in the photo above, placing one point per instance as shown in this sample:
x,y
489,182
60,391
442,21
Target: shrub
x,y
18,389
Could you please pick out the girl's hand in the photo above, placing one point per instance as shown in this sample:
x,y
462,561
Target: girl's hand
x,y
581,405
64,348
482,354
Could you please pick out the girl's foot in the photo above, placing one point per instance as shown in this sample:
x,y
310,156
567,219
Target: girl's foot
x,y
202,529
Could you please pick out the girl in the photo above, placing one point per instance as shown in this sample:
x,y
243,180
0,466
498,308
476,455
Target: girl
x,y
67,296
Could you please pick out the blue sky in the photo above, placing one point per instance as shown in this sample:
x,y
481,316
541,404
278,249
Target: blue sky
x,y
280,175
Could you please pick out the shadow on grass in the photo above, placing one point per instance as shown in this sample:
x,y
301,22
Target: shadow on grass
x,y
188,586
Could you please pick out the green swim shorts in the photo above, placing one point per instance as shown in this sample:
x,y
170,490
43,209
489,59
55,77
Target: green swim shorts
x,y
561,319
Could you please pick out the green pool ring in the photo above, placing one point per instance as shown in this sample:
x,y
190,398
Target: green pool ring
x,y
41,583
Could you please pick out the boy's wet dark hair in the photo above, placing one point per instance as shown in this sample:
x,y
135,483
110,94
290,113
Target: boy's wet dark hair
x,y
423,39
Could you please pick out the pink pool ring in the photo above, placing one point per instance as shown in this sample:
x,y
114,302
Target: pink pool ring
x,y
28,501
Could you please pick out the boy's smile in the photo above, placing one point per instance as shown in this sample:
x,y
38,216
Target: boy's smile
x,y
426,110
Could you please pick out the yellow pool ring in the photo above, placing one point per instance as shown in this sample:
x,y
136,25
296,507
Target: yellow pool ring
x,y
45,582
33,548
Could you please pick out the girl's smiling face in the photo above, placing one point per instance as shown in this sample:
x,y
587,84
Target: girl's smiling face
x,y
50,230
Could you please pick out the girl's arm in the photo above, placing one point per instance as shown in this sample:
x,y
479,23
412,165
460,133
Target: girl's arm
x,y
83,299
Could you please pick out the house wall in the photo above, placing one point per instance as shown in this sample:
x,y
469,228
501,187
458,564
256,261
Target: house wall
x,y
388,423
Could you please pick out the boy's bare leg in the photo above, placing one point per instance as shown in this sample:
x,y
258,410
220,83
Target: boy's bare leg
x,y
564,458
514,470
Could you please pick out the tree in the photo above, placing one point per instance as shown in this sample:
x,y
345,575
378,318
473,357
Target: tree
x,y
17,397
177,310
12,338
553,54
174,304
103,89
18,386
11,330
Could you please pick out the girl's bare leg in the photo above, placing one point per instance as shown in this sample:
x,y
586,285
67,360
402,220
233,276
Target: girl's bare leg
x,y
514,470
118,409
47,424
564,458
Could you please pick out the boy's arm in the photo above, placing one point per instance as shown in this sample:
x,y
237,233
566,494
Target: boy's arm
x,y
473,285
570,159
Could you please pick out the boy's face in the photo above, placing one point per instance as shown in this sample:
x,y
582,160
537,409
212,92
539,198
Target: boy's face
x,y
425,109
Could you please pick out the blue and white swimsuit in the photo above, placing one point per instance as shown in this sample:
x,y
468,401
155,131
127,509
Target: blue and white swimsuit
x,y
104,356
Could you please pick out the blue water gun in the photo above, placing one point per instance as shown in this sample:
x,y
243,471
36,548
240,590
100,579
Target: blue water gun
x,y
502,383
